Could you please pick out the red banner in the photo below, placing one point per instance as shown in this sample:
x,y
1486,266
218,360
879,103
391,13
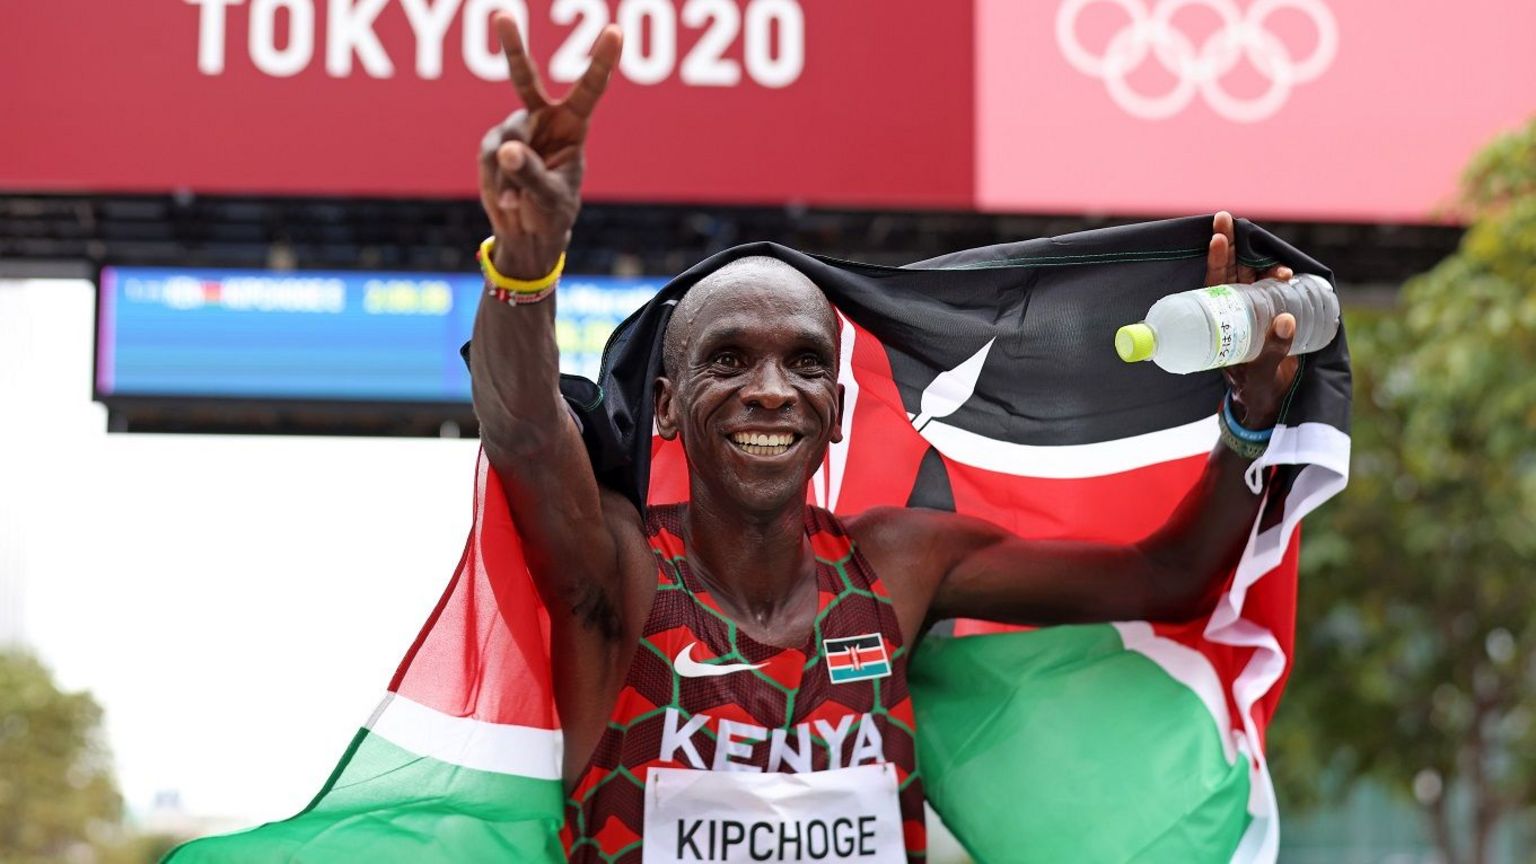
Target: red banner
x,y
1312,109
850,102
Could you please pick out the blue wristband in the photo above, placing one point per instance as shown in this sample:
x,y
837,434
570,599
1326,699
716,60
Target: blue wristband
x,y
1238,430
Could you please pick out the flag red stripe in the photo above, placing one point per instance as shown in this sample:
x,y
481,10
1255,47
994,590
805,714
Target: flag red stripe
x,y
489,628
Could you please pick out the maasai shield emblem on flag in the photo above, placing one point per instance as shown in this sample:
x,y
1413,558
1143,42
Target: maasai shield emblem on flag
x,y
983,382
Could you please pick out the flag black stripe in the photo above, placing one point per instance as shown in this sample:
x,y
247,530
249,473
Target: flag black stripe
x,y
1052,306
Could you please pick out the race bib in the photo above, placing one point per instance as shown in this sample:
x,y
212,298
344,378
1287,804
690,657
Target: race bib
x,y
850,814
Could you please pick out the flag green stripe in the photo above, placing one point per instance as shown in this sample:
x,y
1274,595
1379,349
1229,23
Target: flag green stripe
x,y
387,805
1105,758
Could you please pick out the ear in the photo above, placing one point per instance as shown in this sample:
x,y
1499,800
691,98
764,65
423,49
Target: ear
x,y
837,418
666,424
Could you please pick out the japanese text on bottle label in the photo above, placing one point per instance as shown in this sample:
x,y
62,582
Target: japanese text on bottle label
x,y
1231,325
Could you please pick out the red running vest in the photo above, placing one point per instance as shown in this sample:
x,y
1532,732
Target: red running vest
x,y
793,691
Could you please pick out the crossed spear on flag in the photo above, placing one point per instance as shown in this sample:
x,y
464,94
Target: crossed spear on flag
x,y
951,389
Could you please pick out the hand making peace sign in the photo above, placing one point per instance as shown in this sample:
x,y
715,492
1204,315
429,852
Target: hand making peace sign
x,y
531,164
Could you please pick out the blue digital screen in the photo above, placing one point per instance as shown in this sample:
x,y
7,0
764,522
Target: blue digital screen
x,y
355,336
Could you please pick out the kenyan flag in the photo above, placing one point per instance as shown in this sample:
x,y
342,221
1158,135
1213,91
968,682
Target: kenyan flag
x,y
1133,741
461,760
985,383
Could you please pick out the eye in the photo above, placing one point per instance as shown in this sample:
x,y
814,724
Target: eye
x,y
727,359
810,362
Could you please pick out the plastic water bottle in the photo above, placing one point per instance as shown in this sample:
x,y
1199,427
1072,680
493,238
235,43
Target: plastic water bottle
x,y
1224,325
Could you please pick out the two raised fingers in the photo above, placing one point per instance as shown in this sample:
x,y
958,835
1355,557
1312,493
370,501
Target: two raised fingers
x,y
525,79
589,89
509,165
584,97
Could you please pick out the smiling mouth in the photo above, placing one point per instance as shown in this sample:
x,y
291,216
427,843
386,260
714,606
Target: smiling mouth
x,y
761,444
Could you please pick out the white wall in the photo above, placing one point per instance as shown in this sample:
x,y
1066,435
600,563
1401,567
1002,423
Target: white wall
x,y
237,604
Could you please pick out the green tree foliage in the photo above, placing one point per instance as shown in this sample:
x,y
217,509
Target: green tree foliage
x,y
134,848
1416,649
57,792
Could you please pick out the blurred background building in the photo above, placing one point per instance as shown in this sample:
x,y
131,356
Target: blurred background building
x,y
253,224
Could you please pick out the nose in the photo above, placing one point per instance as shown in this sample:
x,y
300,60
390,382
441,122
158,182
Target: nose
x,y
768,388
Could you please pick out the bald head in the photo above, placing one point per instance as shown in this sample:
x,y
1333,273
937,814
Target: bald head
x,y
744,276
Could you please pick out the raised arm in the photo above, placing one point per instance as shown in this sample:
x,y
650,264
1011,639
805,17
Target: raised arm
x,y
530,182
956,566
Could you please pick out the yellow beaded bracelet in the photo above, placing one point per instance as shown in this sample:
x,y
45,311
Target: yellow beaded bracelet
x,y
516,286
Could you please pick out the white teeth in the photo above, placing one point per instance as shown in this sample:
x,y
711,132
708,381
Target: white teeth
x,y
758,439
760,444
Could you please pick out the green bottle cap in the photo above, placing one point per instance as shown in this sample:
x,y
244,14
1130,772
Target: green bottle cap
x,y
1135,342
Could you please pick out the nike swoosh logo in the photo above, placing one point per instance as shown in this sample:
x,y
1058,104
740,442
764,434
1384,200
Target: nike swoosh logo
x,y
688,667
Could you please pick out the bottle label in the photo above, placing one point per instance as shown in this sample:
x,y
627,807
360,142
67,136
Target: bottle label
x,y
1231,324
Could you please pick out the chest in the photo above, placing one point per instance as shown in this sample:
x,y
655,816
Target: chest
x,y
713,697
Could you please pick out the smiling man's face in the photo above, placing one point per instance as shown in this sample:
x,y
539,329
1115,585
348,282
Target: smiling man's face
x,y
751,382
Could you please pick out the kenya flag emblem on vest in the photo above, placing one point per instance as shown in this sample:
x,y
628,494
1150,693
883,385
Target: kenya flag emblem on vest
x,y
856,658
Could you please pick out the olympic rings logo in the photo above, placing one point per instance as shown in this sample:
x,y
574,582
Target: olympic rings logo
x,y
1200,70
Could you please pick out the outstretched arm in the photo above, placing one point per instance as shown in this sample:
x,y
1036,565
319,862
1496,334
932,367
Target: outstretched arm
x,y
1174,574
957,566
530,182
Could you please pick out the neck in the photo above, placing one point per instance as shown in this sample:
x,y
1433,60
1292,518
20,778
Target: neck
x,y
758,563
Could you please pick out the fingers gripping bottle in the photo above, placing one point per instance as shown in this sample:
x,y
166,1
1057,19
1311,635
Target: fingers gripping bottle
x,y
1224,325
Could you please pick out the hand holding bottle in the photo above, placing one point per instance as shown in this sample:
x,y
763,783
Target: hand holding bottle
x,y
1260,385
1243,323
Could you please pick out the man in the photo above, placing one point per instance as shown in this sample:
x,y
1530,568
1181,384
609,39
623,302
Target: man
x,y
776,635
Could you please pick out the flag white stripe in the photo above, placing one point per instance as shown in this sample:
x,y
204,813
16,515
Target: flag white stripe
x,y
1323,451
1188,667
827,484
466,741
1072,461
504,748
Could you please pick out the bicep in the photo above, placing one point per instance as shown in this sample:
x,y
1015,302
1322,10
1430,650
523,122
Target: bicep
x,y
955,566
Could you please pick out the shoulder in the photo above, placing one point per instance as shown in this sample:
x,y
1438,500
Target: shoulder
x,y
897,528
901,543
906,549
881,528
935,539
